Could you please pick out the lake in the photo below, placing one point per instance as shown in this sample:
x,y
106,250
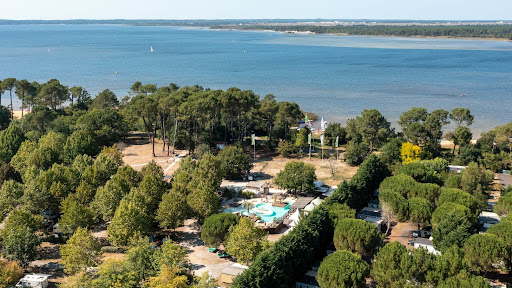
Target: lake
x,y
333,76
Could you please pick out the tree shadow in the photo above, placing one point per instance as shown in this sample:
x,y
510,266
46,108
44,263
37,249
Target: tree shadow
x,y
49,253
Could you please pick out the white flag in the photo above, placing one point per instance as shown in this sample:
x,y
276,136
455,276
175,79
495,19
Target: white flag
x,y
322,139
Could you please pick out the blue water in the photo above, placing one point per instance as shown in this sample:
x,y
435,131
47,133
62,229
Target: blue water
x,y
266,211
333,76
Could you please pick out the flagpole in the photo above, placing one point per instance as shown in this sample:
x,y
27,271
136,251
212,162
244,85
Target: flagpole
x,y
309,142
253,140
309,151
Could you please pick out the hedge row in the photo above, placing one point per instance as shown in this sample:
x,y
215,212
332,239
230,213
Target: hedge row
x,y
292,256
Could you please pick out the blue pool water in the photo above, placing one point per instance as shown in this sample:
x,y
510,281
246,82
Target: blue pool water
x,y
333,76
266,211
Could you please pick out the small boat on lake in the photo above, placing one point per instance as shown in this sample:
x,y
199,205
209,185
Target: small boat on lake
x,y
151,49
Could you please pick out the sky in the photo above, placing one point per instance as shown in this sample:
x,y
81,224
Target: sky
x,y
257,9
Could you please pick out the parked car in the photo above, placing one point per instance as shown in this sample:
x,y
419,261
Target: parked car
x,y
415,233
410,242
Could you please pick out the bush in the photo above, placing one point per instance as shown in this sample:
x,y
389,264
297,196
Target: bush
x,y
112,249
246,194
285,148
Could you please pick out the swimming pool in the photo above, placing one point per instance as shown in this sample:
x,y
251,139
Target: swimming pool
x,y
266,211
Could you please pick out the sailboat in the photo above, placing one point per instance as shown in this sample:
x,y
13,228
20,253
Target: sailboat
x,y
151,49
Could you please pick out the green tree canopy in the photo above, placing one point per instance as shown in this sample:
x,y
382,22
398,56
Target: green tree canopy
x,y
204,186
297,177
129,220
338,212
216,227
5,117
105,99
356,235
449,207
420,211
173,209
461,115
82,250
386,270
107,125
80,142
10,141
10,195
234,162
486,253
476,180
355,153
460,197
74,215
343,269
52,94
453,229
245,240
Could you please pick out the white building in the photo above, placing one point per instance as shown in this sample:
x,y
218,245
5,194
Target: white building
x,y
427,244
487,219
34,281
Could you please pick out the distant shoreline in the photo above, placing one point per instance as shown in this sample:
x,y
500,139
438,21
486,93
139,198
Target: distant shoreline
x,y
345,34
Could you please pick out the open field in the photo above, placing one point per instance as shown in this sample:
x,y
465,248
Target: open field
x,y
342,171
139,153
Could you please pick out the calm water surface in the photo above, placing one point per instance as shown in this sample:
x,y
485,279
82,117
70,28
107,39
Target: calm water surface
x,y
333,76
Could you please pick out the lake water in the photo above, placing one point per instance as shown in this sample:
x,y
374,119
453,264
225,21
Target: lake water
x,y
333,76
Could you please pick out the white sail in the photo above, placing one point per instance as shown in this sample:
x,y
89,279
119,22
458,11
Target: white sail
x,y
152,49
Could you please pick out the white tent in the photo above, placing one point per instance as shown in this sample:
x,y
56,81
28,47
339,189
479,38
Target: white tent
x,y
317,201
309,207
294,218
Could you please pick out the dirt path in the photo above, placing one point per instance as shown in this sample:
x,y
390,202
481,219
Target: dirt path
x,y
401,232
203,261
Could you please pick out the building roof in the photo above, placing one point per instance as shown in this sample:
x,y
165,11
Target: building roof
x,y
368,211
234,269
255,184
301,203
488,217
375,220
505,179
423,241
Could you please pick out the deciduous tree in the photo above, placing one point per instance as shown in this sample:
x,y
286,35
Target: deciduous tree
x,y
297,177
234,162
82,250
245,240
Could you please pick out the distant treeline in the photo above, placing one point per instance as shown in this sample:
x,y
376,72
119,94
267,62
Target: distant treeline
x,y
466,31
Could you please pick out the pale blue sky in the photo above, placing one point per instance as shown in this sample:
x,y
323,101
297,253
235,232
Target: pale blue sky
x,y
246,9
